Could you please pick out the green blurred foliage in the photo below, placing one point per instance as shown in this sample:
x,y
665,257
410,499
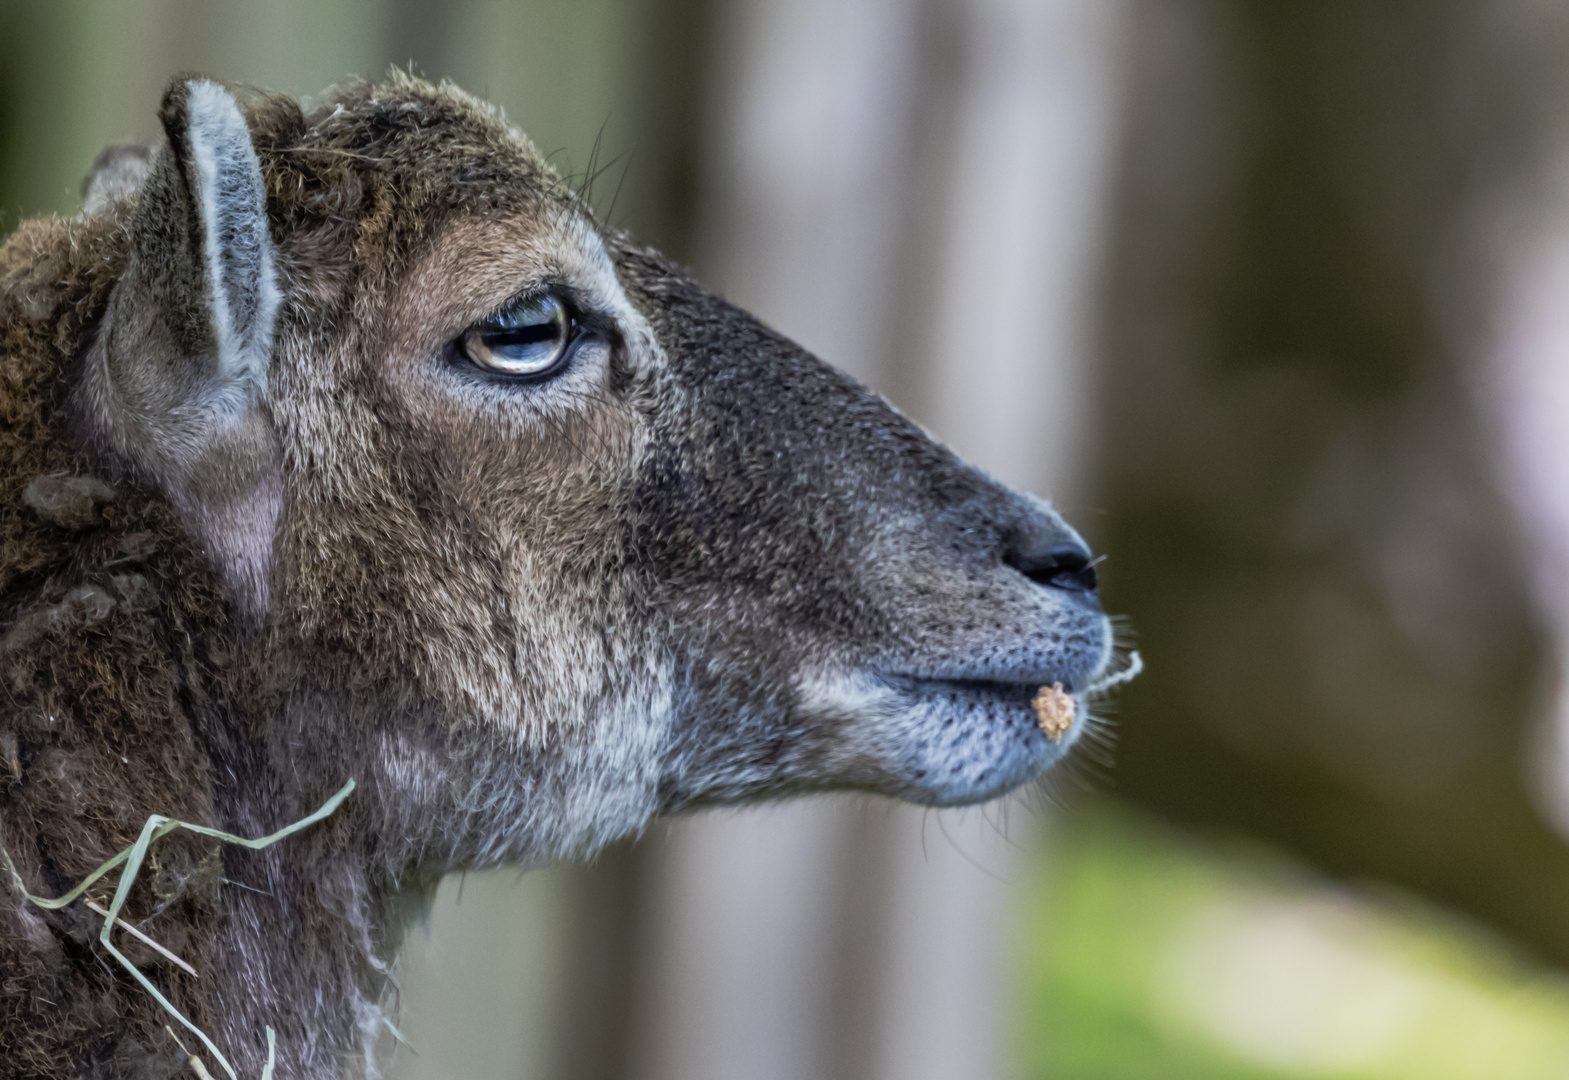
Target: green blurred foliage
x,y
1148,953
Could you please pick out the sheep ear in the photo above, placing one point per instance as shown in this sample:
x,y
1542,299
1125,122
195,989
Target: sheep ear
x,y
177,380
222,180
117,172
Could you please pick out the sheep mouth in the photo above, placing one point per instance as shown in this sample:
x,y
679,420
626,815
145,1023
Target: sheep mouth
x,y
957,742
1010,691
978,690
1053,687
997,687
1052,703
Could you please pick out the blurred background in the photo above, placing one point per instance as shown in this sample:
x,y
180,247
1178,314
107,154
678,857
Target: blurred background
x,y
1272,299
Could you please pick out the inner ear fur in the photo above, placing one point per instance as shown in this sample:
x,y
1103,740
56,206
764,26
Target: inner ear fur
x,y
176,382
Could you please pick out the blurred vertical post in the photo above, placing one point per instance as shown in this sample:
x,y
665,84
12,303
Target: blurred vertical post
x,y
1522,233
915,192
76,77
1309,528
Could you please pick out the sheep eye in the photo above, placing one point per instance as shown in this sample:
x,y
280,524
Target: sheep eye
x,y
528,341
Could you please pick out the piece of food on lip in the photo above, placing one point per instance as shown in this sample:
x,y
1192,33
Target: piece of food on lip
x,y
1055,709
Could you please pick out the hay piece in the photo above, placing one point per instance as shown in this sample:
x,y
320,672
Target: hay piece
x,y
157,827
1055,710
144,939
196,1063
1129,672
200,1069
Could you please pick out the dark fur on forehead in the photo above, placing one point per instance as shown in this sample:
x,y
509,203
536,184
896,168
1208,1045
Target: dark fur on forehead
x,y
381,165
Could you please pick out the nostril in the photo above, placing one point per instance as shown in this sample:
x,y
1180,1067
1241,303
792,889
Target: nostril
x,y
1064,567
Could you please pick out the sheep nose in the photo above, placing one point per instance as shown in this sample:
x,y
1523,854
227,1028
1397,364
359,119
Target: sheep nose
x,y
1064,566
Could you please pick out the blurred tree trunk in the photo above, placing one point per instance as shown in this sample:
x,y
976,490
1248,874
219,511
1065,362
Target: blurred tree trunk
x,y
914,192
1305,524
76,77
1521,228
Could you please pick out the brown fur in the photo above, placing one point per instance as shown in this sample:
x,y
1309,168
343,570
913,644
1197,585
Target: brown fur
x,y
95,731
697,566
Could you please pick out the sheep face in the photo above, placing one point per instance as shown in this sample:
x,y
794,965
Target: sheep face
x,y
596,542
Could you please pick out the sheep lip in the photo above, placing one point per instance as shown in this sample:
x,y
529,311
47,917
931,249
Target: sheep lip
x,y
1005,688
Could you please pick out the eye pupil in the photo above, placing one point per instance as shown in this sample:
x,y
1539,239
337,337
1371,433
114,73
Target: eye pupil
x,y
529,340
523,335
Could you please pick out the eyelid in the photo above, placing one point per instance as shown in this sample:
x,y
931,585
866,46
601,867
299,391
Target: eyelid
x,y
542,310
533,294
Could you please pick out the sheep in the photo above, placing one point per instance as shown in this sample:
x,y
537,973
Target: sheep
x,y
349,446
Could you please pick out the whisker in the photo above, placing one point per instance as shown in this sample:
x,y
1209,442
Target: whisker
x,y
616,195
965,855
1129,672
